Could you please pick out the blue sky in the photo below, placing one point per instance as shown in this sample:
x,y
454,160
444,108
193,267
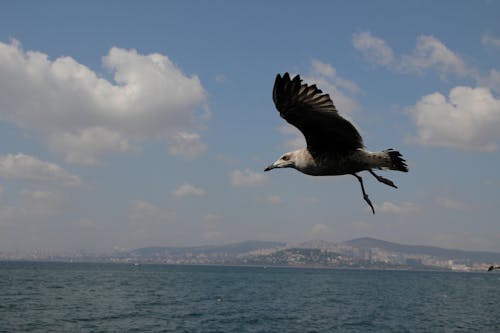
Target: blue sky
x,y
126,124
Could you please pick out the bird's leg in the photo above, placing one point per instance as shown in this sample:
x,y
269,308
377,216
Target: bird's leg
x,y
382,179
365,196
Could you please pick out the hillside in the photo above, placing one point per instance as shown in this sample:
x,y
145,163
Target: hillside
x,y
366,243
361,252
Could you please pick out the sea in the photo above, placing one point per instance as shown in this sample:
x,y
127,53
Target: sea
x,y
89,297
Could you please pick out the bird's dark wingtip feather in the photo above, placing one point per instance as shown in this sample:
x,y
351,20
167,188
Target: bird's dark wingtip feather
x,y
286,77
314,114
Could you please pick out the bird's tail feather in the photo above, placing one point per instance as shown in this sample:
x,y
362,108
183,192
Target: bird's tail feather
x,y
397,162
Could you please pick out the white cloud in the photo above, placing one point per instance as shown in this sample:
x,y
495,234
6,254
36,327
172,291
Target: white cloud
x,y
489,40
492,80
340,89
323,68
145,212
66,102
374,49
86,145
450,203
186,144
431,53
26,167
469,119
247,178
405,208
186,190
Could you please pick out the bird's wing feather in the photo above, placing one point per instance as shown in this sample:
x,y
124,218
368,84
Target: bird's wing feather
x,y
313,113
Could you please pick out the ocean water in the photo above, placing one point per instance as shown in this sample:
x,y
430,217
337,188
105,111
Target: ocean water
x,y
64,297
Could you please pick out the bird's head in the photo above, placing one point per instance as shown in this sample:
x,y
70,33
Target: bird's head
x,y
285,161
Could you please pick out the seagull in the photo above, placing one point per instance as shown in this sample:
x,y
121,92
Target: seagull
x,y
334,146
491,268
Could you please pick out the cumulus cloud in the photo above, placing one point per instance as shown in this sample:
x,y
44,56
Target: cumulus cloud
x,y
374,49
25,167
429,54
341,90
489,40
492,80
247,178
469,119
432,53
145,212
86,145
405,208
68,103
186,144
186,190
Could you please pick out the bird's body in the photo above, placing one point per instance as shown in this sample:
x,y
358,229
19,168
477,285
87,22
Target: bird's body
x,y
337,164
334,146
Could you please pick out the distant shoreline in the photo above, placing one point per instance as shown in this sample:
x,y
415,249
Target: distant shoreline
x,y
312,267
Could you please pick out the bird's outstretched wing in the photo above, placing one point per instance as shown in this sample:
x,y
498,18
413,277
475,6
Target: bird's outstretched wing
x,y
313,113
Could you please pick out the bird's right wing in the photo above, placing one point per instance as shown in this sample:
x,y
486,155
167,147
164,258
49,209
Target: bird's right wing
x,y
313,113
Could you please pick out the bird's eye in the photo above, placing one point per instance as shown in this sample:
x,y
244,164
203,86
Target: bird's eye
x,y
285,158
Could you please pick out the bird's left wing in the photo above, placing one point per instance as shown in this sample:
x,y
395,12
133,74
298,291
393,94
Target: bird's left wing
x,y
313,113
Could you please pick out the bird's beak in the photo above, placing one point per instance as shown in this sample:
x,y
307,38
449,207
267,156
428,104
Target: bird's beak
x,y
270,167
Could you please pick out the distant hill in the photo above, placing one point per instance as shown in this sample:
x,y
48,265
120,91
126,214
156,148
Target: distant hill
x,y
361,252
366,243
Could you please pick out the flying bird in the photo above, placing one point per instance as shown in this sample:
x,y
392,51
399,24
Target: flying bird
x,y
334,146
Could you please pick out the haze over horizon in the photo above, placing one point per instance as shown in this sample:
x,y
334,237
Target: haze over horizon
x,y
126,125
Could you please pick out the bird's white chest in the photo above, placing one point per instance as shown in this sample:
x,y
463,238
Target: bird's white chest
x,y
332,165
